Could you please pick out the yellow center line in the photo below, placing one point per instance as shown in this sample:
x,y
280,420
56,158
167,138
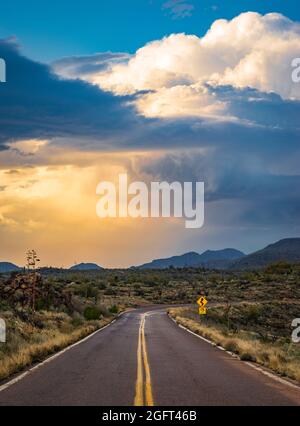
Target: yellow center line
x,y
143,356
148,388
139,393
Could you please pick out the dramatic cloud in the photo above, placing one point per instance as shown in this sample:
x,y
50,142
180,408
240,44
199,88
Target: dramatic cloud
x,y
35,103
250,180
220,109
251,50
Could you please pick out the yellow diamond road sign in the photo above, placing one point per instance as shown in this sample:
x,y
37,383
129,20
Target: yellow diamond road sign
x,y
202,302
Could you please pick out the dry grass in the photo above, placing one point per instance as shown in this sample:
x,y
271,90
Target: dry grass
x,y
279,358
29,345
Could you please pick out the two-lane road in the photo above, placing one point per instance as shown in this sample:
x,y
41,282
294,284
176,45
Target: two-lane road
x,y
146,359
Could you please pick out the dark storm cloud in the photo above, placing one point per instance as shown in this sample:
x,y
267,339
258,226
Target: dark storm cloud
x,y
252,159
34,103
263,109
263,196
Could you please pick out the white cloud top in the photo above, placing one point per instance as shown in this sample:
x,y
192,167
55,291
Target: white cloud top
x,y
250,50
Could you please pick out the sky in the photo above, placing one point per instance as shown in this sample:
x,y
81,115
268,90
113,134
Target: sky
x,y
162,90
50,30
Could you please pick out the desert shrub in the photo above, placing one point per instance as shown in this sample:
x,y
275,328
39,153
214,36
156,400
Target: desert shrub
x,y
110,292
86,290
4,305
231,346
104,311
150,283
252,313
114,309
42,304
92,313
77,320
102,286
246,356
280,267
182,295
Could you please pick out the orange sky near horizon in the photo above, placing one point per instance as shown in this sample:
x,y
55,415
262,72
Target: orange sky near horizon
x,y
48,202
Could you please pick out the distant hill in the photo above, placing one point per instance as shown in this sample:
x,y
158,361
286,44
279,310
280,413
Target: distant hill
x,y
187,259
210,259
8,267
287,250
219,259
86,267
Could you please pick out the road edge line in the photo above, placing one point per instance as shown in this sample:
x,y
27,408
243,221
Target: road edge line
x,y
21,376
256,367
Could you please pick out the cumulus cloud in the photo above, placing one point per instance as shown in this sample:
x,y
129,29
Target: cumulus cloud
x,y
37,105
251,50
170,84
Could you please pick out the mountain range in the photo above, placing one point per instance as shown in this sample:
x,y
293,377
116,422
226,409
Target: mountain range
x,y
210,259
287,250
6,267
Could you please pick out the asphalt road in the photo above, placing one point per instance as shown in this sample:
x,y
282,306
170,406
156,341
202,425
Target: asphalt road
x,y
146,359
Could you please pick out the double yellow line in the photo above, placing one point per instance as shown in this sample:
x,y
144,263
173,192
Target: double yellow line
x,y
143,388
